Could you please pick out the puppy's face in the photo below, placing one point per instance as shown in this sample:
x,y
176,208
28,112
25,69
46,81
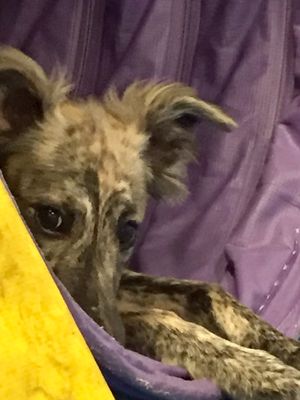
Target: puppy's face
x,y
81,171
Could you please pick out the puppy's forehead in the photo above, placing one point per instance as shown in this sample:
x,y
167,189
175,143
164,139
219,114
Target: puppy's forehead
x,y
84,137
87,134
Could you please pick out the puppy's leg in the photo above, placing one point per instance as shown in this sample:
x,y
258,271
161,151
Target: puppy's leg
x,y
241,372
210,306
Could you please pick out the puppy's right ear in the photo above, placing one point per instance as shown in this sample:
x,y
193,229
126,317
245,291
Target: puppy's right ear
x,y
25,92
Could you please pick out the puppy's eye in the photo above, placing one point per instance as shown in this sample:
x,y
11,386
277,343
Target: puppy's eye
x,y
52,220
126,232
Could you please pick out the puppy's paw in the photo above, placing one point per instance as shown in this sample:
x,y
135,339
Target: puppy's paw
x,y
287,350
293,358
255,375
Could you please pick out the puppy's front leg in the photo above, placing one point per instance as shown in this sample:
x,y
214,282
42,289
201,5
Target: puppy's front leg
x,y
210,306
241,372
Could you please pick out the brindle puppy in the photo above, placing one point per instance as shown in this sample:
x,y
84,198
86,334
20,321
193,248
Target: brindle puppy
x,y
81,173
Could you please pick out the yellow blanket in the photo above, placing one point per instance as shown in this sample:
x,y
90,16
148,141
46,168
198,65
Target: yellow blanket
x,y
42,353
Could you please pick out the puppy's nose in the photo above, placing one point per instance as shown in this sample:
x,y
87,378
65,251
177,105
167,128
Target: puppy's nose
x,y
109,317
114,326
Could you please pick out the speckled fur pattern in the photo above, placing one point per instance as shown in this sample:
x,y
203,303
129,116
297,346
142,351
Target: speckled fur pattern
x,y
99,158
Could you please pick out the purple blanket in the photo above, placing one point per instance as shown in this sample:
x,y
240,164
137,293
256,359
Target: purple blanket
x,y
240,226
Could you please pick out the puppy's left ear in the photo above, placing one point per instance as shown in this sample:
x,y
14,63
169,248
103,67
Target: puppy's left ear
x,y
170,112
26,93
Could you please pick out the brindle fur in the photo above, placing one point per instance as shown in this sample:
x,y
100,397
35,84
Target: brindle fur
x,y
98,159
